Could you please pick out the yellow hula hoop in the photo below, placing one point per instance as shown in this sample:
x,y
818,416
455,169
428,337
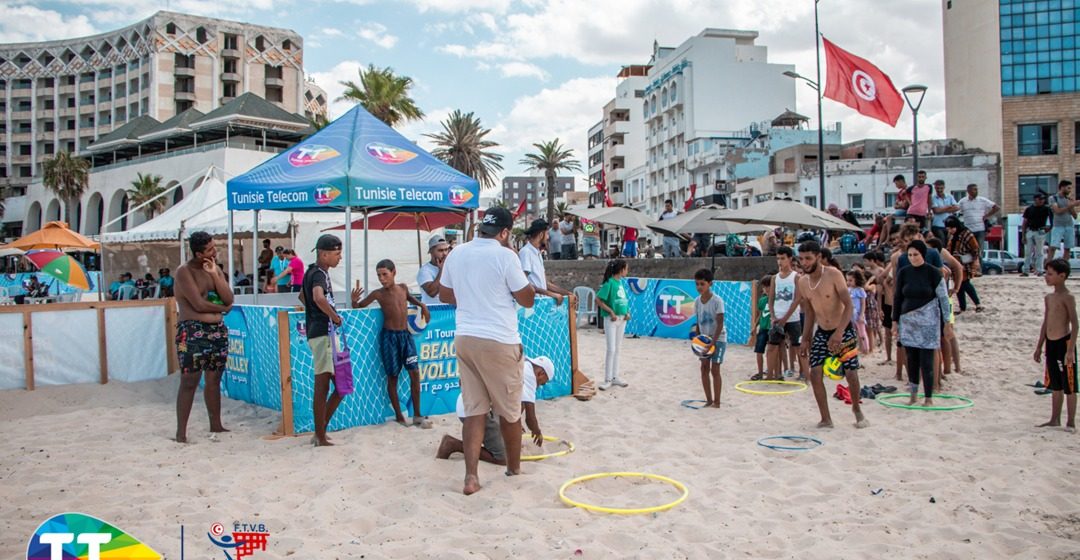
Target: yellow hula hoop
x,y
569,449
739,387
623,511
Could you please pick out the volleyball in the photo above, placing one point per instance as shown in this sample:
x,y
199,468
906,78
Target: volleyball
x,y
833,368
637,285
702,346
416,321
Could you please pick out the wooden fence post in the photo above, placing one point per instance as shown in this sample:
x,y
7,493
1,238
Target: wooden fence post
x,y
28,350
285,367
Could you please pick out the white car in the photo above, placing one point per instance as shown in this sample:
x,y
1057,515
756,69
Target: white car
x,y
1008,262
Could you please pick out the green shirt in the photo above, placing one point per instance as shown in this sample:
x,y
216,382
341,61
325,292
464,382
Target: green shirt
x,y
613,293
764,320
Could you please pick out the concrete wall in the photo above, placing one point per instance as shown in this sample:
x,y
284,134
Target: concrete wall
x,y
570,274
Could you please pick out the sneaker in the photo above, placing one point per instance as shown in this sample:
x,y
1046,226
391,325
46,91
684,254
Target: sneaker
x,y
604,386
619,382
1024,274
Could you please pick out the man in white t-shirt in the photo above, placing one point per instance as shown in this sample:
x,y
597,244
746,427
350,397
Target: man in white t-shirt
x,y
431,271
976,209
671,242
535,373
787,321
533,263
483,278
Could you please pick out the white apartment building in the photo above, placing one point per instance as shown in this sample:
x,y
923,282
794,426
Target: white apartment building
x,y
65,95
703,92
624,132
595,163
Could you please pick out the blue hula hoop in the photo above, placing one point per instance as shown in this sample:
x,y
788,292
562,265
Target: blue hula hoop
x,y
817,443
689,403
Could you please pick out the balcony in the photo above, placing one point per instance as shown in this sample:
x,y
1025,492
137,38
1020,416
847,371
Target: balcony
x,y
184,72
184,95
235,53
67,89
278,82
46,92
230,77
42,135
618,151
225,99
621,127
87,86
105,105
25,114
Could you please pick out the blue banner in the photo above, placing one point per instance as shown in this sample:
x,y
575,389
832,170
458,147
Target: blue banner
x,y
252,370
357,160
545,330
665,308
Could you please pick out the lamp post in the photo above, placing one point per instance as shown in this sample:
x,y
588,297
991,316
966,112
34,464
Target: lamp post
x,y
821,129
914,94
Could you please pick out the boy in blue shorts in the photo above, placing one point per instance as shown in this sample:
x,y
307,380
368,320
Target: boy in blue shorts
x,y
396,347
709,310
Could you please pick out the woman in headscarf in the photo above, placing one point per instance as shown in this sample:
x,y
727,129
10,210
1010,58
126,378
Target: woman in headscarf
x,y
920,306
964,246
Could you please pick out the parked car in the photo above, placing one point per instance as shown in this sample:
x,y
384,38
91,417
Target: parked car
x,y
1004,259
1074,258
991,268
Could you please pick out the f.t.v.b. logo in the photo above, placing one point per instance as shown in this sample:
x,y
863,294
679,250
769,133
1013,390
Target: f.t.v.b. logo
x,y
244,540
77,536
673,306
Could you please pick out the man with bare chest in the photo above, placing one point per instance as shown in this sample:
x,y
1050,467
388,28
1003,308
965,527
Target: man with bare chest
x,y
202,341
824,298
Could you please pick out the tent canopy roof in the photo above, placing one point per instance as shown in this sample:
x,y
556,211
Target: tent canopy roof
x,y
358,161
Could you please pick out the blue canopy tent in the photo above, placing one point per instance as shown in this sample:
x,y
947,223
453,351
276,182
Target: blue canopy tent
x,y
357,161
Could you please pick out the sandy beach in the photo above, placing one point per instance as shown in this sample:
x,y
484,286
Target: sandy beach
x,y
975,483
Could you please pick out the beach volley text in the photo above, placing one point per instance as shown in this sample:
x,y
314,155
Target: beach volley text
x,y
438,360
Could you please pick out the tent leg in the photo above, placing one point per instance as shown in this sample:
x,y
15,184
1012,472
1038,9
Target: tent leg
x,y
229,242
101,271
419,254
712,245
255,255
348,257
365,250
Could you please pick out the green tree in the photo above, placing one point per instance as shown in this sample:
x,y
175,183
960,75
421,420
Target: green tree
x,y
500,203
551,157
383,94
461,145
560,210
147,188
67,177
318,122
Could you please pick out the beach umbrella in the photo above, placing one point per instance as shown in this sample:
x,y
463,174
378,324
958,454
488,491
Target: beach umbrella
x,y
708,220
6,251
54,235
61,266
614,216
788,213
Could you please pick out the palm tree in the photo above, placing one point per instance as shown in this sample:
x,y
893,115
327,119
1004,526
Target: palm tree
x,y
500,203
318,122
67,177
560,209
384,94
461,145
148,189
551,158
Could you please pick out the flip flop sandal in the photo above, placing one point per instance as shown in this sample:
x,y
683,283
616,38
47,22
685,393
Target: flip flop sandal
x,y
1043,392
1037,385
757,377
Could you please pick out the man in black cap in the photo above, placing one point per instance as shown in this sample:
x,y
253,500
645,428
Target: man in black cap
x,y
317,295
1033,231
533,264
484,279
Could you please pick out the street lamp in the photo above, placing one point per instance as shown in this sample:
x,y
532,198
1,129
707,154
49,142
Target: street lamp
x,y
914,94
820,135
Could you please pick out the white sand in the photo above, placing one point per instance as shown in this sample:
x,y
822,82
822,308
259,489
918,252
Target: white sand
x,y
1003,489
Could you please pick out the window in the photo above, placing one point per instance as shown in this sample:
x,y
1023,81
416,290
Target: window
x,y
230,41
957,195
228,89
260,43
275,94
50,126
24,149
50,148
1037,45
1031,184
170,28
890,200
1037,139
286,45
810,201
854,201
1076,137
200,35
230,65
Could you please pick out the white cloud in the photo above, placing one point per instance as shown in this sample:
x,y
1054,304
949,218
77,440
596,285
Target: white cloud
x,y
376,33
415,130
459,6
137,9
331,32
331,80
24,23
522,70
565,112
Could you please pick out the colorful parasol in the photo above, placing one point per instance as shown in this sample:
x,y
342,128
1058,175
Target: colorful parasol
x,y
61,266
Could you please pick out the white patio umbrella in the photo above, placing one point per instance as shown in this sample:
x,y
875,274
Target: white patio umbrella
x,y
708,220
788,213
615,216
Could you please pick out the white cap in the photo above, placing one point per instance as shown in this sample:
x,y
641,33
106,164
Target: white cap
x,y
545,364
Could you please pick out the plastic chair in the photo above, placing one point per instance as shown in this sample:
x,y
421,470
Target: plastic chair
x,y
5,297
586,307
126,291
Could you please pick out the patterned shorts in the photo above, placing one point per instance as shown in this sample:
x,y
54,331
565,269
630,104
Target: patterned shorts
x,y
398,351
849,353
201,346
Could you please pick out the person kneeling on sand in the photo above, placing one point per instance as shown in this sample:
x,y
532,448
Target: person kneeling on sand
x,y
536,372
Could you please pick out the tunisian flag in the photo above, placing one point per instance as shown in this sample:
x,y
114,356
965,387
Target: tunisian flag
x,y
857,83
520,209
601,187
690,201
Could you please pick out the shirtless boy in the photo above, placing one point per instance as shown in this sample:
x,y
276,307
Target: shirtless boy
x,y
824,299
396,346
1058,333
202,341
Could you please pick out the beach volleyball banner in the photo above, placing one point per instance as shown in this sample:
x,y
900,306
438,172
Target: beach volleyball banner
x,y
252,369
545,330
665,308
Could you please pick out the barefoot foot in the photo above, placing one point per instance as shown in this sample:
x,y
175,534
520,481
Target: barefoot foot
x,y
218,429
444,447
825,424
472,485
861,421
1050,424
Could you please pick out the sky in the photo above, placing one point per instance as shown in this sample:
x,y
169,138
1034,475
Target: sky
x,y
534,70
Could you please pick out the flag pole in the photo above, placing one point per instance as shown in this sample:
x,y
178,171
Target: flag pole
x,y
821,123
